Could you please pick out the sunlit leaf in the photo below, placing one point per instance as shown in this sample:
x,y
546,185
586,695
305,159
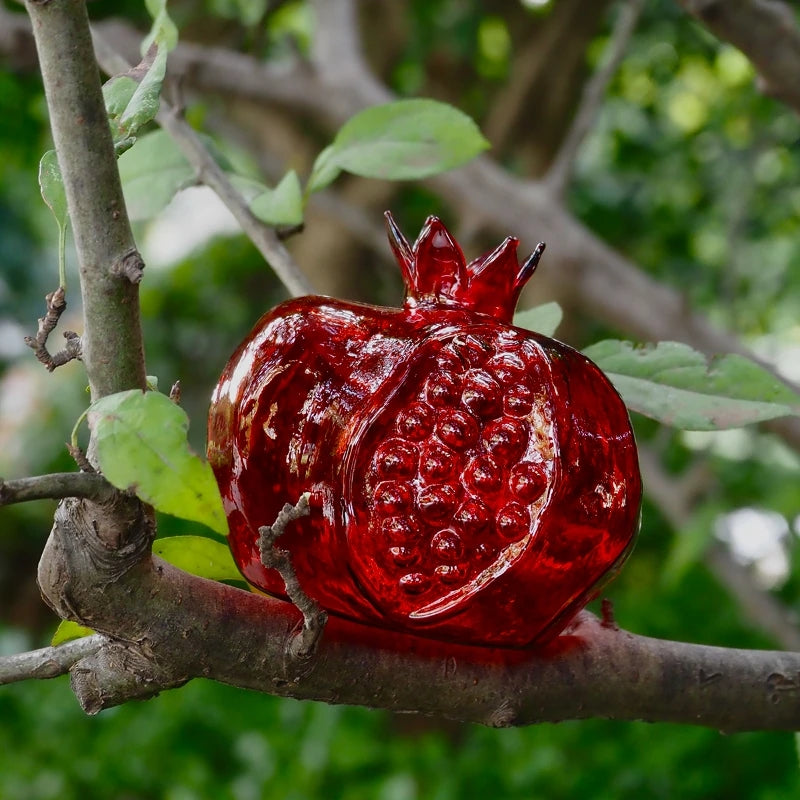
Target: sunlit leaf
x,y
199,556
141,445
67,631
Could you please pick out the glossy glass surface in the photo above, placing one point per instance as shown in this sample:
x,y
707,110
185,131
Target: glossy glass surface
x,y
471,481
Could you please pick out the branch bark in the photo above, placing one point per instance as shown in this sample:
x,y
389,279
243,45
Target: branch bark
x,y
49,662
216,631
55,486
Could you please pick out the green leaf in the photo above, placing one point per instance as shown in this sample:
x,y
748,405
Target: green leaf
x,y
282,205
163,31
152,173
677,386
142,446
324,172
404,140
144,102
117,94
67,631
200,556
51,185
543,319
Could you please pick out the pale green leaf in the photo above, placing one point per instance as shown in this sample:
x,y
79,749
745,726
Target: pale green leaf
x,y
543,319
67,631
51,185
324,172
404,140
249,188
141,445
199,556
163,32
678,386
282,205
144,102
152,173
117,94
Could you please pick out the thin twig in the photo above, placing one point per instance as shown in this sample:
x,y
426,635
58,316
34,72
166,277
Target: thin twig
x,y
49,662
559,174
303,645
171,119
56,305
56,486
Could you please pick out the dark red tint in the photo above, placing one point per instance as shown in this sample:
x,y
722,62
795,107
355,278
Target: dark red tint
x,y
473,482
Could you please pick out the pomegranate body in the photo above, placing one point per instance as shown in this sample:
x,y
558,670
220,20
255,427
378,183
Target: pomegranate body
x,y
470,481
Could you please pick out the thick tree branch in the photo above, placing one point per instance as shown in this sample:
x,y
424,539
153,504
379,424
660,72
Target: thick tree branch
x,y
56,486
766,32
49,662
112,342
215,631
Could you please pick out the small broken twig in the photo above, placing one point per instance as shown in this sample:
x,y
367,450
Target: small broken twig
x,y
56,304
303,644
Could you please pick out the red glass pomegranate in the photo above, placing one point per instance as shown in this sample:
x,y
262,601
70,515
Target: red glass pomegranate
x,y
471,481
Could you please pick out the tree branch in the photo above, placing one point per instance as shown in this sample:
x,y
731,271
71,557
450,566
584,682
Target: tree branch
x,y
213,176
112,341
49,662
766,32
560,172
56,486
216,631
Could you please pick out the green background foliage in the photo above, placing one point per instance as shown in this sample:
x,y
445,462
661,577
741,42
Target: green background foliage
x,y
690,172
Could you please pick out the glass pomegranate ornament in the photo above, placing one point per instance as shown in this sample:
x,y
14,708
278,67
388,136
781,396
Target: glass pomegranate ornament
x,y
470,481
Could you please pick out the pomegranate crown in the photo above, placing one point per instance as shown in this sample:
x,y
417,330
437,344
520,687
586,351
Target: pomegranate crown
x,y
436,273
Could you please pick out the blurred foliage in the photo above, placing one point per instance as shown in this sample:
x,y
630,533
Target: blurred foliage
x,y
690,171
